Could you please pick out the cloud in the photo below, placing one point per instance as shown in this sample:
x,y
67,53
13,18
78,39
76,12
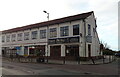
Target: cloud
x,y
15,13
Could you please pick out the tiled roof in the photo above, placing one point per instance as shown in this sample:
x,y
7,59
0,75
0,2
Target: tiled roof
x,y
51,22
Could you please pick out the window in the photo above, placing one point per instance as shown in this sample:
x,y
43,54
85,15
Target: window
x,y
34,35
72,50
8,38
89,29
3,38
64,31
94,32
42,34
19,36
53,32
13,37
76,29
26,36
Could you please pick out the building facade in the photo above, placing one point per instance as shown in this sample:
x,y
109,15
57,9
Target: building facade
x,y
70,37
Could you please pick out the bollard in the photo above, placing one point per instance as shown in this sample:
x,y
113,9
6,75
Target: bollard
x,y
63,60
109,58
78,60
103,60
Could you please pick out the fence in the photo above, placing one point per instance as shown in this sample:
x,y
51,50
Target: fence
x,y
42,59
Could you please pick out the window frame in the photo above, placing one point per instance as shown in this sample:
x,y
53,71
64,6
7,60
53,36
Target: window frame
x,y
53,32
76,26
13,37
19,36
64,31
26,35
34,36
89,29
3,39
43,34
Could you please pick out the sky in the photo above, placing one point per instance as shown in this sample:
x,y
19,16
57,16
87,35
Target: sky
x,y
17,13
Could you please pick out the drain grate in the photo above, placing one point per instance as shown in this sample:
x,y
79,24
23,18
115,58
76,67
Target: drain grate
x,y
88,73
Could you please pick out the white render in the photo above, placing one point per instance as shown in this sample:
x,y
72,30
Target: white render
x,y
83,50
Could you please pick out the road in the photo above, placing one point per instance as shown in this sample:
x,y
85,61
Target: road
x,y
14,68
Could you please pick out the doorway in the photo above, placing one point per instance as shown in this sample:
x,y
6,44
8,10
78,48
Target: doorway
x,y
89,50
55,51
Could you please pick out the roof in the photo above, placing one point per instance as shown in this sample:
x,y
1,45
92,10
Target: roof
x,y
51,22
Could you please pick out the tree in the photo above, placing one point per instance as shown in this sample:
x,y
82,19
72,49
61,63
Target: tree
x,y
106,46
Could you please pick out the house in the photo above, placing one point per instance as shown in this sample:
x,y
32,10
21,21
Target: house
x,y
69,37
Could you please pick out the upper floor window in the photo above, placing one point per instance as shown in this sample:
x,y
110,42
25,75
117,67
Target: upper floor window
x,y
89,29
94,30
13,37
76,29
26,36
53,32
64,31
42,34
3,38
34,34
19,36
8,38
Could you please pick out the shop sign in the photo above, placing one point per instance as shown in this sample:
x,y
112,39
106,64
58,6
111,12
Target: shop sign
x,y
89,39
18,48
72,40
52,41
64,40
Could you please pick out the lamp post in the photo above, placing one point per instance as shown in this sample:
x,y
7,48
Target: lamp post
x,y
47,32
47,14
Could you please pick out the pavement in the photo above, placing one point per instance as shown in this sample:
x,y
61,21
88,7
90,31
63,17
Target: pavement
x,y
107,59
16,68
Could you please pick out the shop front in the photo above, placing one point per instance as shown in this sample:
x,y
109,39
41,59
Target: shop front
x,y
71,52
64,48
37,50
55,52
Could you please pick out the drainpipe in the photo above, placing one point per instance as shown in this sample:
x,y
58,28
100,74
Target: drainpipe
x,y
85,35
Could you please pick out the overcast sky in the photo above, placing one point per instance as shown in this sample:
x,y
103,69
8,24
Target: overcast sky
x,y
16,13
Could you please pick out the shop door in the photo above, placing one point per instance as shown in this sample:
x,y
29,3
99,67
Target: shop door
x,y
55,51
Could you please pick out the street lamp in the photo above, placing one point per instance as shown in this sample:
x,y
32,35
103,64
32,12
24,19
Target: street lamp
x,y
47,32
47,14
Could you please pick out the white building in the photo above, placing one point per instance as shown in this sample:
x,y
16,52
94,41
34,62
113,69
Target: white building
x,y
70,37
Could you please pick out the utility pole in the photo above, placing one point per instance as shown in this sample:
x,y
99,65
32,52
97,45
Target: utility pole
x,y
47,32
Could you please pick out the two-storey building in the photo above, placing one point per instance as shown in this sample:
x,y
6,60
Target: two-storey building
x,y
70,37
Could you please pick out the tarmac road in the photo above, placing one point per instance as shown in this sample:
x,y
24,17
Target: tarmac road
x,y
14,68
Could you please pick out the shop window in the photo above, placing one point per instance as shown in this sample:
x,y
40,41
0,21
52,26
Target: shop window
x,y
34,34
26,36
26,50
19,36
53,32
42,34
64,31
76,29
72,50
31,51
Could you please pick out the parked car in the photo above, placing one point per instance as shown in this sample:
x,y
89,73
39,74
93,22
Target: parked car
x,y
117,54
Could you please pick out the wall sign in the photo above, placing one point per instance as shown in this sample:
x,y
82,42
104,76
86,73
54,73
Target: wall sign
x,y
63,40
89,39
